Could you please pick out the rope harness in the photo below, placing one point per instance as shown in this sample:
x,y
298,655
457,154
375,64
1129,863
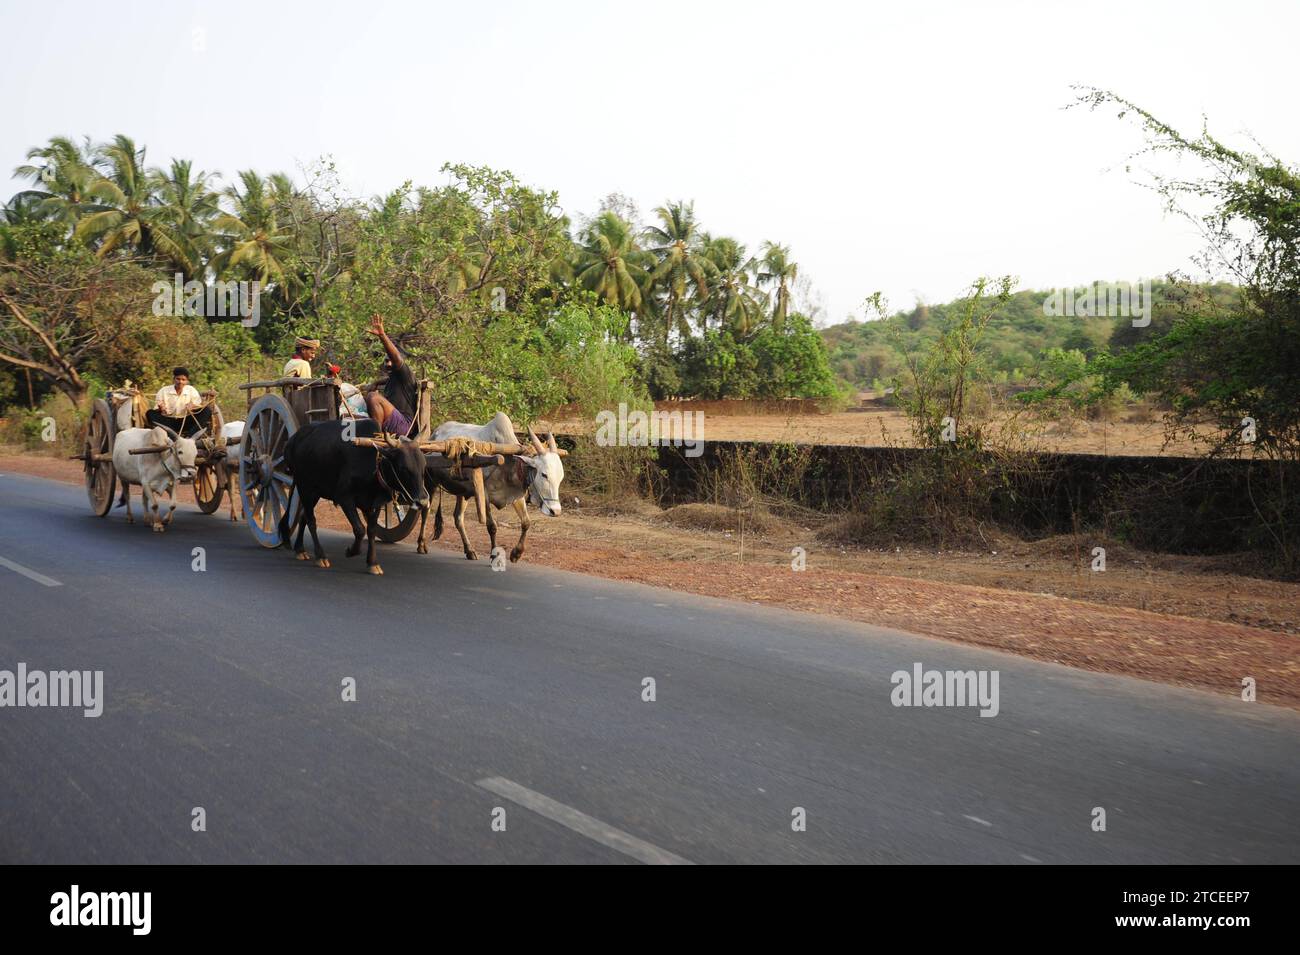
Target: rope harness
x,y
388,488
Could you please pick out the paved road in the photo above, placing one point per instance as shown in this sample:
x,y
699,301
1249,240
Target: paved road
x,y
522,691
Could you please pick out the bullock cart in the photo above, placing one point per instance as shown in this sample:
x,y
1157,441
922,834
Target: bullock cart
x,y
279,407
97,451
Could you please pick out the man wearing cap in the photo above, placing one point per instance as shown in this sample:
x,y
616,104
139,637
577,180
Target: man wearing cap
x,y
179,406
299,366
394,409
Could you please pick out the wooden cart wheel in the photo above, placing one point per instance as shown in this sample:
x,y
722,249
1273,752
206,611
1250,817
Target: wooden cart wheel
x,y
264,482
396,521
101,479
209,486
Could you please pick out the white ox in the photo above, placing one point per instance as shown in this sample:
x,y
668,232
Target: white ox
x,y
157,473
129,407
522,478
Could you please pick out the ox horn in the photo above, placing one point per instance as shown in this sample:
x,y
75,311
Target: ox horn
x,y
550,441
537,444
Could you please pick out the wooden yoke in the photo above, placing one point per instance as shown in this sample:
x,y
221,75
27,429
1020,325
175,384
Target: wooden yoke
x,y
483,447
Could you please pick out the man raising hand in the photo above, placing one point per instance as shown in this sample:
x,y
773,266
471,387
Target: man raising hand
x,y
394,409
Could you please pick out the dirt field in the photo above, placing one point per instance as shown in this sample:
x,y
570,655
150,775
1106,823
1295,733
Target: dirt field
x,y
1169,619
874,424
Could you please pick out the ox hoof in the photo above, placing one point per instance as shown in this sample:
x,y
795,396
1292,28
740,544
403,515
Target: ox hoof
x,y
422,548
471,555
302,555
130,519
375,569
323,562
515,555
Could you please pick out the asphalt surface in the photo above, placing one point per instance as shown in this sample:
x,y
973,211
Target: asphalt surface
x,y
517,697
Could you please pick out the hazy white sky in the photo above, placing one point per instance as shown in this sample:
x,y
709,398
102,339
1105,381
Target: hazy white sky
x,y
906,147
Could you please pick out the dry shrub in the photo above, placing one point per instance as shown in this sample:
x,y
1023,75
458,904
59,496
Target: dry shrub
x,y
713,517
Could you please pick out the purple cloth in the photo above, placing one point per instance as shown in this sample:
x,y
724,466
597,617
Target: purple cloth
x,y
397,423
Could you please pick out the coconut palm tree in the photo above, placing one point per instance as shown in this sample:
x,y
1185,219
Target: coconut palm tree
x,y
776,268
189,205
610,263
679,268
125,211
252,239
61,178
733,300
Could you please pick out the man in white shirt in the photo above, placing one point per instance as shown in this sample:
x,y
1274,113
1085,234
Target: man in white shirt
x,y
179,406
304,352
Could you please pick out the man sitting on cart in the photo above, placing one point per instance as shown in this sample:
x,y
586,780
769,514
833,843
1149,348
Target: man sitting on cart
x,y
394,409
179,406
304,353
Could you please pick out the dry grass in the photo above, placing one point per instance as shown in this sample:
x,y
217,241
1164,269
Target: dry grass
x,y
715,517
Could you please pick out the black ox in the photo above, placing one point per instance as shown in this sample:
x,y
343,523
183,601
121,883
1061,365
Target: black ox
x,y
355,477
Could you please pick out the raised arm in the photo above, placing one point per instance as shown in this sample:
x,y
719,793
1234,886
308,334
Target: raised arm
x,y
377,329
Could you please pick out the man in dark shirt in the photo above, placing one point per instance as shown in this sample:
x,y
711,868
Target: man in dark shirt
x,y
394,409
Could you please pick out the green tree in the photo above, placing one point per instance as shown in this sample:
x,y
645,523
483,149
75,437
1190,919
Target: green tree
x,y
610,263
792,361
126,215
62,177
777,269
679,265
188,207
253,241
733,300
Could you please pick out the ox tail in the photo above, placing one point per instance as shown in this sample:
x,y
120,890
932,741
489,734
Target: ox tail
x,y
437,518
286,534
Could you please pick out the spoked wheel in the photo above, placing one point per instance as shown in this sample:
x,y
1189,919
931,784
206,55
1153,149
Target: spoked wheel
x,y
209,486
264,482
396,521
101,479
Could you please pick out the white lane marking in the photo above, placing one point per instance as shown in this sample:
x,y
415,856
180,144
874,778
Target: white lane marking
x,y
30,574
581,823
978,819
